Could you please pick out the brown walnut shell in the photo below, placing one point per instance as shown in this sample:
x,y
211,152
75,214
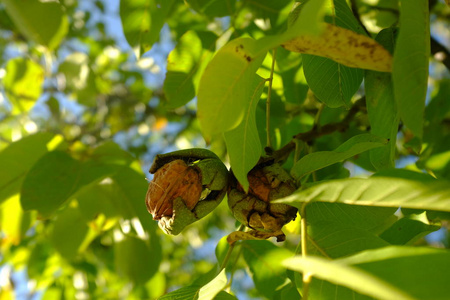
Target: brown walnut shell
x,y
174,179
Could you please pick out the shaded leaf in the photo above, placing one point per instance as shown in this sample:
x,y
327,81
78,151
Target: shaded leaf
x,y
138,259
55,178
264,260
142,21
213,8
184,64
17,159
41,21
381,107
410,66
68,233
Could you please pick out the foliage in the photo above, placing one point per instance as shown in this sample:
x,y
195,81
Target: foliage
x,y
350,96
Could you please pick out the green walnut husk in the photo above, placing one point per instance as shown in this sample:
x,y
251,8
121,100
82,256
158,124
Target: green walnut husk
x,y
255,208
188,185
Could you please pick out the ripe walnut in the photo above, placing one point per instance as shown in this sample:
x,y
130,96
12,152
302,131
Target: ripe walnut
x,y
188,185
174,179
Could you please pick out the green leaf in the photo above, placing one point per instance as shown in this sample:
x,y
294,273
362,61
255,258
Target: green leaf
x,y
191,293
184,63
363,217
381,107
55,178
243,144
68,233
138,259
39,21
17,159
408,229
213,8
410,68
129,191
264,260
210,290
223,95
142,21
337,240
377,191
427,268
23,83
334,84
353,146
345,275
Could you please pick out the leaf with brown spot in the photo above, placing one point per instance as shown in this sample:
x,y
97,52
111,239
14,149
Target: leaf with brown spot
x,y
345,47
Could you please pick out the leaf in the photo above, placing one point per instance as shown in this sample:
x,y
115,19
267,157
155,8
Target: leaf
x,y
210,290
427,268
377,191
347,276
68,233
23,83
190,293
223,95
17,159
362,217
39,21
243,144
55,178
142,21
14,222
138,259
381,108
264,260
337,240
345,47
213,8
187,60
410,66
353,146
408,229
334,84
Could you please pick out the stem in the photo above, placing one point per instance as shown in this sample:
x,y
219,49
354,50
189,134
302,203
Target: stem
x,y
230,250
269,93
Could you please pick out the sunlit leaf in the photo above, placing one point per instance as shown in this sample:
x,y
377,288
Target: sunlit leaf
x,y
23,83
43,22
320,159
377,191
401,265
345,47
347,276
223,95
210,290
410,66
243,144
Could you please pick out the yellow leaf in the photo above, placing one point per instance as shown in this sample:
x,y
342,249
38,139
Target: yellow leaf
x,y
345,47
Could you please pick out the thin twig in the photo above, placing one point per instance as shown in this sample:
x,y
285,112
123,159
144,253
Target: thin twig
x,y
269,93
